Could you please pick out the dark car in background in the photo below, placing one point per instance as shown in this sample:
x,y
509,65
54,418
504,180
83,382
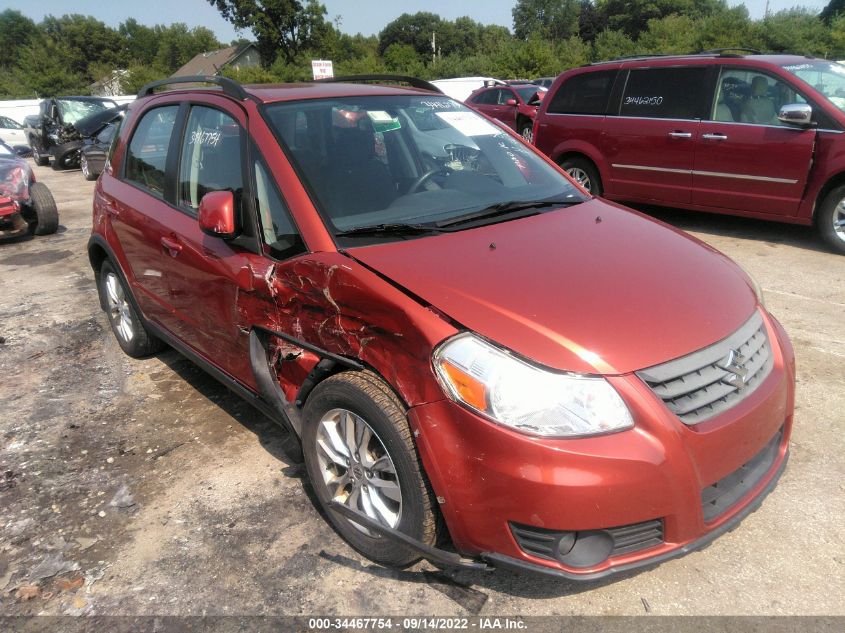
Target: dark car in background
x,y
513,105
61,124
94,151
742,134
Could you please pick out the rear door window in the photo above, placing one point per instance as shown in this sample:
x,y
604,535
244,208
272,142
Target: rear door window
x,y
586,93
667,93
147,153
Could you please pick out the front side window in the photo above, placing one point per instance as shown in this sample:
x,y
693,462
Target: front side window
x,y
749,96
211,157
587,93
6,122
666,93
411,159
147,153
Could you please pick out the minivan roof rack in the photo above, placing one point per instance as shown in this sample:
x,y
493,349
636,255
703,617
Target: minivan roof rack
x,y
414,82
230,87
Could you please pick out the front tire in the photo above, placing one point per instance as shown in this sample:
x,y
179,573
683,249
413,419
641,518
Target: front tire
x,y
44,207
830,221
526,131
40,159
130,332
359,451
582,171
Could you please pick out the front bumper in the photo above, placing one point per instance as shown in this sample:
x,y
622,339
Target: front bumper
x,y
488,478
12,222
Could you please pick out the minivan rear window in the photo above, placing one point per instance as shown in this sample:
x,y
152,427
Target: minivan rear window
x,y
666,93
586,93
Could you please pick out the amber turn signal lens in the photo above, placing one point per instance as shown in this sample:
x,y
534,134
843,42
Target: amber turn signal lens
x,y
470,390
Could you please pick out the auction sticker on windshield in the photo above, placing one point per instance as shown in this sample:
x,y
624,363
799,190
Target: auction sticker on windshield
x,y
469,124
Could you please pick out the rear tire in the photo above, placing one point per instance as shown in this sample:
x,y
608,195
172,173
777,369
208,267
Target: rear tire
x,y
44,206
830,220
374,468
130,332
584,173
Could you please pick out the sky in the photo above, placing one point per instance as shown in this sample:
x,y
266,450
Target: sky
x,y
356,16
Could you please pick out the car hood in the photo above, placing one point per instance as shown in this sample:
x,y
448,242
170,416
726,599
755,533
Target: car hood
x,y
93,123
592,288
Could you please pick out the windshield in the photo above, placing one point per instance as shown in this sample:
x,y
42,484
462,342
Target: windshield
x,y
826,77
72,110
417,159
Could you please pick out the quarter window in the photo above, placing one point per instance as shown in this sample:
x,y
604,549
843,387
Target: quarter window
x,y
586,93
666,93
147,154
277,227
211,157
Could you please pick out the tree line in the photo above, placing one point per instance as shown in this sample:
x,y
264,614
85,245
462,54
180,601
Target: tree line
x,y
67,54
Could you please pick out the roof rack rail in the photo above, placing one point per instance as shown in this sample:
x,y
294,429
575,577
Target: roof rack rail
x,y
230,87
414,82
722,51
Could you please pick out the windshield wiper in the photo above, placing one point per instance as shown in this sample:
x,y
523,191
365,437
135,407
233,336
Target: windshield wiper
x,y
390,229
504,208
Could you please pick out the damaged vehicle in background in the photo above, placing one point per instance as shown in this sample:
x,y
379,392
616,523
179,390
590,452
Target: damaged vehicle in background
x,y
58,129
26,206
482,364
94,150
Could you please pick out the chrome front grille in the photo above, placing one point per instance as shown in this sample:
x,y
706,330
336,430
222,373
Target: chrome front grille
x,y
707,382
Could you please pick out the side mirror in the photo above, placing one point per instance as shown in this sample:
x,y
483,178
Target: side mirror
x,y
217,214
510,102
800,114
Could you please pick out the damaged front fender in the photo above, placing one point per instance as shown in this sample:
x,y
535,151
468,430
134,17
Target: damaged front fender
x,y
338,307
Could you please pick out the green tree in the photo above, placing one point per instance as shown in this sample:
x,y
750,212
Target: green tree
x,y
83,40
403,59
798,31
591,21
281,27
416,30
16,31
611,44
548,19
674,34
833,9
723,29
140,43
632,16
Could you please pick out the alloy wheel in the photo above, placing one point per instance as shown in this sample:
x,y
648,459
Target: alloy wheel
x,y
119,310
581,177
839,220
357,469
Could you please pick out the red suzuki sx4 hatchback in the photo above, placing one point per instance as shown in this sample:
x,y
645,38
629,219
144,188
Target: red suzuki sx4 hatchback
x,y
484,365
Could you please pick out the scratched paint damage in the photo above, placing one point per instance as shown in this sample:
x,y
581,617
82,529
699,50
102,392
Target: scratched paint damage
x,y
332,302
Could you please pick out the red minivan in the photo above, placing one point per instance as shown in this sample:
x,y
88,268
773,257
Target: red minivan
x,y
753,135
483,365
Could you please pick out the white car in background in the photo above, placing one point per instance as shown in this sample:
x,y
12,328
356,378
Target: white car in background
x,y
460,88
11,132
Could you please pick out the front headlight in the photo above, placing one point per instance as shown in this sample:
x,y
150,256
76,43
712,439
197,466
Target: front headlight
x,y
524,397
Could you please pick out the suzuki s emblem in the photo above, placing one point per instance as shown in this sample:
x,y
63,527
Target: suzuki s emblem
x,y
734,364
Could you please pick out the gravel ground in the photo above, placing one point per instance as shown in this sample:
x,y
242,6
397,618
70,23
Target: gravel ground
x,y
144,487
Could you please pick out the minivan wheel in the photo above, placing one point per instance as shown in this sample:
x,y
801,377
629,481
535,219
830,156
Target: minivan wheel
x,y
831,220
359,451
131,335
584,173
